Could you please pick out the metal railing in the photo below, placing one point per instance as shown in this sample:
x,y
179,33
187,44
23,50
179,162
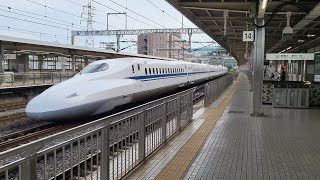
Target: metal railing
x,y
107,148
22,79
213,89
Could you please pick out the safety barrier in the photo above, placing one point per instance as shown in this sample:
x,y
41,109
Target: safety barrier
x,y
213,89
21,79
107,148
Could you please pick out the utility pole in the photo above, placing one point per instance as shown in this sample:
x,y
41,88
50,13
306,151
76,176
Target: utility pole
x,y
87,17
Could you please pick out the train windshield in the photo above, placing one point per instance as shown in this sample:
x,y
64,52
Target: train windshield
x,y
92,68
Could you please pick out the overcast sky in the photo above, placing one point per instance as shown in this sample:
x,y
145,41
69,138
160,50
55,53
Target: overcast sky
x,y
53,20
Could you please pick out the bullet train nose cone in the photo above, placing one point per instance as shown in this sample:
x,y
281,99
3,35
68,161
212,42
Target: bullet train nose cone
x,y
55,110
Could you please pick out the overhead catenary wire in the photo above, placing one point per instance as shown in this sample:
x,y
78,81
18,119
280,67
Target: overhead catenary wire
x,y
41,19
164,11
105,6
46,16
120,12
136,13
61,11
58,27
54,36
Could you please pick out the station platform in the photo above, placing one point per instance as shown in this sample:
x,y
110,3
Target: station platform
x,y
18,80
224,142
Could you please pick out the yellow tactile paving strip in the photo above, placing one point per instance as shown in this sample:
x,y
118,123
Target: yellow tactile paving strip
x,y
177,167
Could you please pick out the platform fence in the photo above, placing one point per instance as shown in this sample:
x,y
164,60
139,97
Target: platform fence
x,y
23,79
110,147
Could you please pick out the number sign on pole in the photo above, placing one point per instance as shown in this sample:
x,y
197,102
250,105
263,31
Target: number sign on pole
x,y
248,36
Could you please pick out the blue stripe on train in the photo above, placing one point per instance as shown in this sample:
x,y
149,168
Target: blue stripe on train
x,y
164,76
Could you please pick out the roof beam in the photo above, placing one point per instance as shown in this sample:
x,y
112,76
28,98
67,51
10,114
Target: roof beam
x,y
306,45
237,6
313,14
238,18
217,9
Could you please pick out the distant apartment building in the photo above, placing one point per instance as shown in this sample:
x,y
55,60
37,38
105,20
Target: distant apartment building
x,y
163,45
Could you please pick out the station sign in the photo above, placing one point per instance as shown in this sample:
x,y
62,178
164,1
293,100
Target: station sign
x,y
289,56
10,56
248,36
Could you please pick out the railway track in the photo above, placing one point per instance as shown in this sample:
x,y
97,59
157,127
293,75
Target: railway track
x,y
13,118
12,105
22,137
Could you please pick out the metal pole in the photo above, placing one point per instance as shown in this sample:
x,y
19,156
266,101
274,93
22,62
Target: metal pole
x,y
164,122
141,136
253,55
1,59
118,42
189,34
105,153
29,169
72,40
107,21
182,20
40,58
126,21
73,62
258,69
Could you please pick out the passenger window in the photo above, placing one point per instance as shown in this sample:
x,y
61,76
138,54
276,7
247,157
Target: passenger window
x,y
145,70
157,70
132,68
138,67
149,70
153,71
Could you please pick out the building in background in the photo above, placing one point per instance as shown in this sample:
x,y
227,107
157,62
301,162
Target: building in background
x,y
163,45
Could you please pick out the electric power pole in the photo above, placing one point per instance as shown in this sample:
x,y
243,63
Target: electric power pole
x,y
87,17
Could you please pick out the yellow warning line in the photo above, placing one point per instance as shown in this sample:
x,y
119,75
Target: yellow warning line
x,y
178,166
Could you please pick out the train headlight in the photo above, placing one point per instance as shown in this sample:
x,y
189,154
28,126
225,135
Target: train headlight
x,y
73,95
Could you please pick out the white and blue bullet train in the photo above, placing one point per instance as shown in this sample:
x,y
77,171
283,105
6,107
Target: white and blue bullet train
x,y
105,84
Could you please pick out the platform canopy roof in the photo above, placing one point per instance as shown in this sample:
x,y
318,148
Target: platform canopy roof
x,y
209,15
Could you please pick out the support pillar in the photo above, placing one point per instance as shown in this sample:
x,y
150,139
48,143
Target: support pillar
x,y
72,39
73,63
1,62
1,59
258,60
118,43
190,35
23,60
40,59
253,55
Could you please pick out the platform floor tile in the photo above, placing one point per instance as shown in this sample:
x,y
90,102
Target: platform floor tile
x,y
283,145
